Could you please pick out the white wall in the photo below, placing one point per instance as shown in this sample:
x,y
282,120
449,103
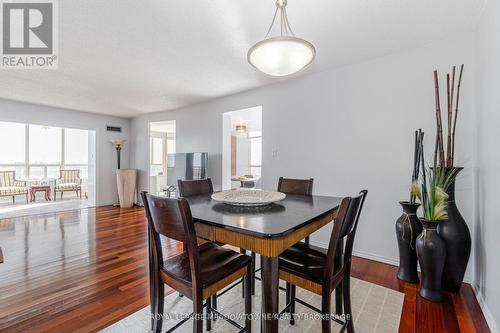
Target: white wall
x,y
106,155
487,215
349,128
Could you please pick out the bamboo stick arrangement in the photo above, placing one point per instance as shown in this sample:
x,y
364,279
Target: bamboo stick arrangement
x,y
442,158
417,157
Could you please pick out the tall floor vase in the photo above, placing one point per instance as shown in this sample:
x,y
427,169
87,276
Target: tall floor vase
x,y
125,181
408,227
456,235
431,252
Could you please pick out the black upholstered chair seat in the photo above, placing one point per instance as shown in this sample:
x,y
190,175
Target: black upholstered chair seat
x,y
307,261
216,263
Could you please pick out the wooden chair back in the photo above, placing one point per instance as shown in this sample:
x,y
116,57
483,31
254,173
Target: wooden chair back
x,y
349,228
345,226
171,218
188,188
295,186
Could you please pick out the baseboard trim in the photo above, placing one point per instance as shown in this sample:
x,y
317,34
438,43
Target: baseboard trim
x,y
490,320
362,254
105,203
371,256
374,257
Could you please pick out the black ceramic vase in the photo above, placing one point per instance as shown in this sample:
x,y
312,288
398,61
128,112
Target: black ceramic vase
x,y
408,227
431,253
456,235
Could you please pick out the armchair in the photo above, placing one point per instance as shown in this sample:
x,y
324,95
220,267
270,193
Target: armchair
x,y
9,186
69,180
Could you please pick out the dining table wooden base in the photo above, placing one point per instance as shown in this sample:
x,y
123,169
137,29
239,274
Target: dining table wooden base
x,y
269,250
267,231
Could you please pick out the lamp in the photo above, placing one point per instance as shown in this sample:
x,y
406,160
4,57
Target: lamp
x,y
282,55
125,179
118,143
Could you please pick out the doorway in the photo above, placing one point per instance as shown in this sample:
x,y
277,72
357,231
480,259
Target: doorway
x,y
161,156
242,148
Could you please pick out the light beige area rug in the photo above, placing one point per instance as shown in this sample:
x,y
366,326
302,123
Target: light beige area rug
x,y
375,309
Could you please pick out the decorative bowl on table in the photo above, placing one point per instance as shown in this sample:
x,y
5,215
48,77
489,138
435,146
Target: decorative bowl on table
x,y
248,198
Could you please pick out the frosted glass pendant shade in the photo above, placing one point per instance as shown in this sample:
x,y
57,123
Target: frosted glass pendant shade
x,y
280,56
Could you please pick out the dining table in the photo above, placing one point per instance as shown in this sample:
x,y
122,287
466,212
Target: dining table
x,y
267,230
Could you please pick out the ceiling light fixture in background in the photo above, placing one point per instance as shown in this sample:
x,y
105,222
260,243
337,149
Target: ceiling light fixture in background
x,y
240,128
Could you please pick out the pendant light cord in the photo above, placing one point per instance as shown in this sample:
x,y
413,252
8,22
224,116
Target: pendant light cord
x,y
272,23
284,24
287,25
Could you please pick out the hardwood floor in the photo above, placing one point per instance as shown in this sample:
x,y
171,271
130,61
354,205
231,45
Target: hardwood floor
x,y
79,271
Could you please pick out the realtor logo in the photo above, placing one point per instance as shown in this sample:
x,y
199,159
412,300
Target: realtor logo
x,y
29,34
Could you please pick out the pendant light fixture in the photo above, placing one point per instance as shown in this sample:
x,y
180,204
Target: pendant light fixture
x,y
240,128
281,55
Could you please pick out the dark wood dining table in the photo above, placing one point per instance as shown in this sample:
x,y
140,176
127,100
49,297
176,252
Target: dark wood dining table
x,y
266,230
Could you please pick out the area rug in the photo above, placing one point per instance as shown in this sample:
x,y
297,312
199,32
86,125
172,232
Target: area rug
x,y
375,309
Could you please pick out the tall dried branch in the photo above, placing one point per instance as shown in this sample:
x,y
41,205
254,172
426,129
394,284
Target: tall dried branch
x,y
413,176
456,115
450,120
450,116
439,135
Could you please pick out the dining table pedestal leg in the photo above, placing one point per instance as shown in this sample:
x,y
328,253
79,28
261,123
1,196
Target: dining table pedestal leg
x,y
270,281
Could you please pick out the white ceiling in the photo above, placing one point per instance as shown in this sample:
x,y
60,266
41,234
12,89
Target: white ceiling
x,y
127,57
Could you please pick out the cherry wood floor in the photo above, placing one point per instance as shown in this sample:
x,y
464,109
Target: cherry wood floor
x,y
82,270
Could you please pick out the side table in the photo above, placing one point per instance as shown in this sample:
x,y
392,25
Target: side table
x,y
39,188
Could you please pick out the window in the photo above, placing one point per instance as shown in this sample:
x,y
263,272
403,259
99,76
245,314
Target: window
x,y
171,151
171,146
37,172
44,155
162,142
255,139
76,146
20,171
157,156
45,145
84,170
53,172
256,151
13,143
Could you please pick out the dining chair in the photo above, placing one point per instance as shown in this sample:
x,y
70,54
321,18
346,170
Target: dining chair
x,y
296,186
249,182
197,273
321,271
188,188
